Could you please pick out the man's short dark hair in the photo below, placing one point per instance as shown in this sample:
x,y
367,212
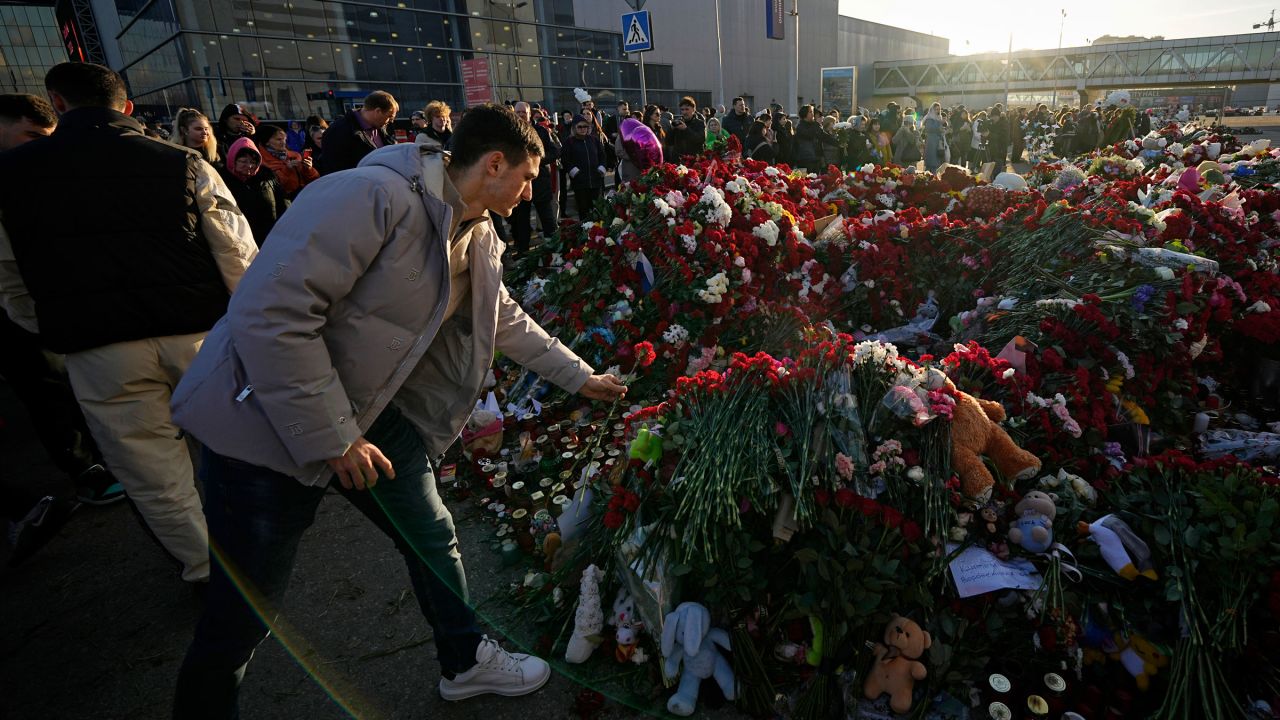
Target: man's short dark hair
x,y
87,85
17,106
623,102
493,127
380,100
688,101
739,99
806,111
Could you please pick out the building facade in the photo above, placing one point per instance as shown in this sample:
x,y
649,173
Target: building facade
x,y
756,67
29,46
286,59
291,58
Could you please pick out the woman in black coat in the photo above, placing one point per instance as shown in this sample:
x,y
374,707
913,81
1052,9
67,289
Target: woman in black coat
x,y
254,187
584,162
760,143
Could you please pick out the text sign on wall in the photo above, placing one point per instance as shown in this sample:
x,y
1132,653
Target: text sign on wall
x,y
774,16
475,79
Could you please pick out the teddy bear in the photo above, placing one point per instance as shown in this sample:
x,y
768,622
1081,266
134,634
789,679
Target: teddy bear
x,y
483,433
1033,528
1153,145
974,433
689,639
897,665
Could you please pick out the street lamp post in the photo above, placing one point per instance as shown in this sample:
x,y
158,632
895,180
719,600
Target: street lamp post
x,y
795,76
719,57
1054,103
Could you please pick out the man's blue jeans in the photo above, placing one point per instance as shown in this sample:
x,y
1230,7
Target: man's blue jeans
x,y
257,516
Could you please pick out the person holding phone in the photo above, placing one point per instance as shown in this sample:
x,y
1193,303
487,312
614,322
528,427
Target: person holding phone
x,y
688,130
293,170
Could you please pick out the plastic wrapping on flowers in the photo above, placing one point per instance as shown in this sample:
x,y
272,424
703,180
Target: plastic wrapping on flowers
x,y
1017,472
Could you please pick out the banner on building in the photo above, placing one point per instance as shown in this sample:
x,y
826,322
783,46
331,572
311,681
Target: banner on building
x,y
839,89
774,17
475,80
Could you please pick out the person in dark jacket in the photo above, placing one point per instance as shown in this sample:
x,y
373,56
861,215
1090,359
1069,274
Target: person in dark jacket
x,y
234,123
584,160
359,133
296,139
813,148
999,138
543,199
1088,131
784,134
890,123
761,144
1143,126
125,281
256,189
688,131
39,380
738,121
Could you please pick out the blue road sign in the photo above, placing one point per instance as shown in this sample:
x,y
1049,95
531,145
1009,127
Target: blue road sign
x,y
636,35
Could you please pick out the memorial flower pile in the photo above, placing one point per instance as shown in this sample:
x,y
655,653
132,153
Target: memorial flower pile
x,y
815,361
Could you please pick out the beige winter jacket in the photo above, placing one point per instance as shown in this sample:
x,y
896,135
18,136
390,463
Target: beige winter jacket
x,y
342,313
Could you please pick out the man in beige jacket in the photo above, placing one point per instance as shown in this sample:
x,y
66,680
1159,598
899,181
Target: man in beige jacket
x,y
121,252
355,348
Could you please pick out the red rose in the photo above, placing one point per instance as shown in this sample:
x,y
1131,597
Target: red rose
x,y
645,354
846,498
613,519
630,501
822,496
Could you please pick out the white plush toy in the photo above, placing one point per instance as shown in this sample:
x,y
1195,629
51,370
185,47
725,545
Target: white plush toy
x,y
1010,181
689,639
588,621
1119,98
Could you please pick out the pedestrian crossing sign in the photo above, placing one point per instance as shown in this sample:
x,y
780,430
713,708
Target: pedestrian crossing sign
x,y
636,35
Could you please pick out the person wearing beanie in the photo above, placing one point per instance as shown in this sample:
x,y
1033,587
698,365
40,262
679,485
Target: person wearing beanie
x,y
257,193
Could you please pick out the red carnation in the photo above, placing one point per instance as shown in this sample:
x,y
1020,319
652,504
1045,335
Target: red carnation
x,y
613,519
645,354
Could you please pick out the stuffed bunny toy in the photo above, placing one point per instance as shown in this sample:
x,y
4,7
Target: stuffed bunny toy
x,y
688,638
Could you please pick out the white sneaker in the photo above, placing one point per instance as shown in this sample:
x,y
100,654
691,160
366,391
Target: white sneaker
x,y
497,672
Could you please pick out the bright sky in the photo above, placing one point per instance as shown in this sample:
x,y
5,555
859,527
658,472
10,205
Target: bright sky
x,y
985,26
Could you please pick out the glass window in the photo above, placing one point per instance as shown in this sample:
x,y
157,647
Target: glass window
x,y
280,58
370,24
272,17
316,60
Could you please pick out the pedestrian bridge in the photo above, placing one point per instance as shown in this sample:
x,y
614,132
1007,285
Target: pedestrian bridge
x,y
1222,60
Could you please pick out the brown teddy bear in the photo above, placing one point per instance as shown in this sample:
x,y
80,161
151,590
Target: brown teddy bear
x,y
974,433
897,666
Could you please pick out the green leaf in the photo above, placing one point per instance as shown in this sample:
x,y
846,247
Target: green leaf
x,y
1173,592
1162,535
680,569
1191,536
806,555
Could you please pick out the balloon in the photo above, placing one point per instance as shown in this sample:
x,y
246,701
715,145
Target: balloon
x,y
641,144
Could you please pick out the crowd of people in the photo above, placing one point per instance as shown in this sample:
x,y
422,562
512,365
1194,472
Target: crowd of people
x,y
298,317
304,300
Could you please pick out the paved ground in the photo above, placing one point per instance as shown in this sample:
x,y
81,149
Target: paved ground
x,y
96,624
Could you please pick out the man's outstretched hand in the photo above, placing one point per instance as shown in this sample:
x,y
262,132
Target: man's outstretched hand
x,y
359,467
603,387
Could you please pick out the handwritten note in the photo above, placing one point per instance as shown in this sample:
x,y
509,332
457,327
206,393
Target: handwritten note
x,y
977,571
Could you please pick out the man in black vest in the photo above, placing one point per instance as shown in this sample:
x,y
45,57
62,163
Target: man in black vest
x,y
358,133
124,277
543,200
39,380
